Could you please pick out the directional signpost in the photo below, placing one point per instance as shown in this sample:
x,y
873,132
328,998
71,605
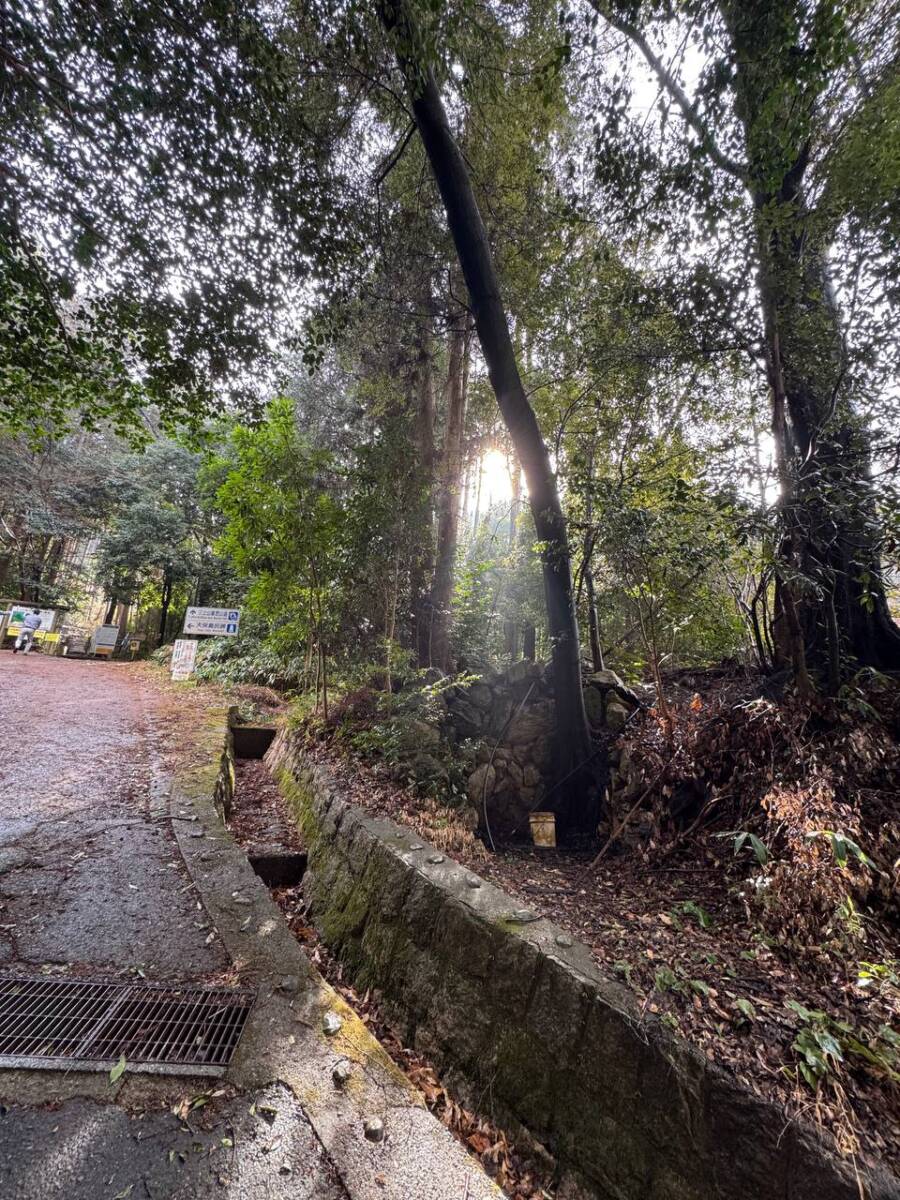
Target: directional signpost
x,y
202,622
213,622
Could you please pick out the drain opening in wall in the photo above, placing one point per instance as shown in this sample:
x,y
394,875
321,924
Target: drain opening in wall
x,y
251,741
279,868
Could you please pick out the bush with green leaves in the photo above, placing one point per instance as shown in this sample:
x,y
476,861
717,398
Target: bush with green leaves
x,y
824,1045
249,660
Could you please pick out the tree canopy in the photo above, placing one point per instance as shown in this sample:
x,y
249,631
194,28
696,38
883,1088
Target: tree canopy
x,y
644,255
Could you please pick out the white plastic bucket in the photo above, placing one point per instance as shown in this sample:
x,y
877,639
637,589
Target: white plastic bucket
x,y
543,829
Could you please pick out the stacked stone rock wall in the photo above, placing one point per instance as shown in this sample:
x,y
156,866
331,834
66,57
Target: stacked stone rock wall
x,y
511,715
522,1023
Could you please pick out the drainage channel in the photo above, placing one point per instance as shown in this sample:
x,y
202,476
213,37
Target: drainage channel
x,y
259,812
259,817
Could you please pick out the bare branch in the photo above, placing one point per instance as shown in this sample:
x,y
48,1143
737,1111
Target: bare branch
x,y
395,156
668,81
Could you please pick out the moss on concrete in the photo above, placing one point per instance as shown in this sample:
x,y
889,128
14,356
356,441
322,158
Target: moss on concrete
x,y
542,1037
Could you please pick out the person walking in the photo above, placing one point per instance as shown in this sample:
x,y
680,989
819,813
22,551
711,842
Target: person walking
x,y
30,625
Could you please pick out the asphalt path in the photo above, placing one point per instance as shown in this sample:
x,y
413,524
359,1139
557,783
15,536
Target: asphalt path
x,y
91,880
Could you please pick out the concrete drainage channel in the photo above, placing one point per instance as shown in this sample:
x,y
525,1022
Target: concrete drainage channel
x,y
368,1117
276,864
282,870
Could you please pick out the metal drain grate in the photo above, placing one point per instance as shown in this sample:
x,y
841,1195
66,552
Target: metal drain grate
x,y
88,1025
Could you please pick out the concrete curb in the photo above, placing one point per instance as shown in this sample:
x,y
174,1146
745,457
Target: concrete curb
x,y
285,1040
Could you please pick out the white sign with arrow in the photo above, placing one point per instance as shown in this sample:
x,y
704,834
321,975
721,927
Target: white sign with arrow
x,y
213,622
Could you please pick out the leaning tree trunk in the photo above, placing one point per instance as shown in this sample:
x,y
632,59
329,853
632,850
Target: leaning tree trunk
x,y
422,565
831,604
449,501
577,803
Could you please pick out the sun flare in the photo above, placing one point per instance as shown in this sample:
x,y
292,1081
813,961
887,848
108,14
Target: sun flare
x,y
496,485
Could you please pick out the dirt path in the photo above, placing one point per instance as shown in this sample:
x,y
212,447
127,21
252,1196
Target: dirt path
x,y
91,880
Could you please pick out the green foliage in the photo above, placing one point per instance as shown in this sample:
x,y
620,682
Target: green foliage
x,y
668,544
283,526
843,847
54,496
666,979
823,1045
250,659
147,541
693,909
156,546
880,976
742,838
745,1008
58,366
475,640
118,1070
169,168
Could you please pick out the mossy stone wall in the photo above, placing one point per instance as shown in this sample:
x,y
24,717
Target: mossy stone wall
x,y
522,1023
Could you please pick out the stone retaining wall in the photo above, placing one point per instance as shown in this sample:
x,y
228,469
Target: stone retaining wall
x,y
511,714
522,1023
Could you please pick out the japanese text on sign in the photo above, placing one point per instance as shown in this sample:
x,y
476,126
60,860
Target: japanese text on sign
x,y
184,653
219,622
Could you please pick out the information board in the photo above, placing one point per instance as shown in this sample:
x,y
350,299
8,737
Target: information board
x,y
17,616
105,637
184,655
215,622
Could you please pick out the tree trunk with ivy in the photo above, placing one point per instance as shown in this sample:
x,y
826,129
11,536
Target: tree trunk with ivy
x,y
831,604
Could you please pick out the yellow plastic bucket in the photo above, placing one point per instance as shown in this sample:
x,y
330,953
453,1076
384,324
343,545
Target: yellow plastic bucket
x,y
543,829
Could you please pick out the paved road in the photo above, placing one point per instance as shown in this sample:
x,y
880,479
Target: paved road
x,y
95,878
91,880
254,1148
